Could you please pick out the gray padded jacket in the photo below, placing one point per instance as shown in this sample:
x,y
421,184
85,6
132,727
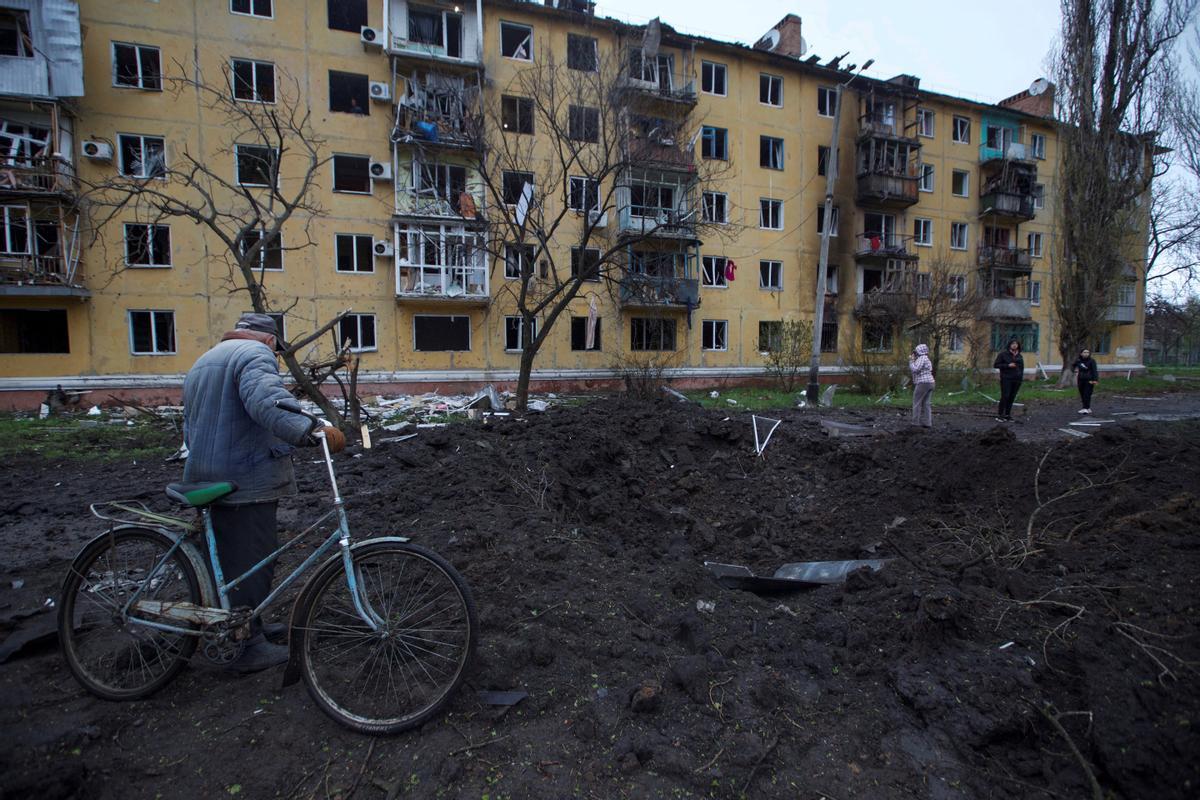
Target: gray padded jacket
x,y
232,428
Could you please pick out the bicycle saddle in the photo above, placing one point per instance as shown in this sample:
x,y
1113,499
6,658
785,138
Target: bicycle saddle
x,y
201,493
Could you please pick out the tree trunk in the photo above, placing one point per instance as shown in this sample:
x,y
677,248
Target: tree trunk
x,y
310,390
527,356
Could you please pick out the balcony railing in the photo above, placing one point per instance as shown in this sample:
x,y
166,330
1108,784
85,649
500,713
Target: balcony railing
x,y
40,175
887,190
882,245
1123,314
30,270
662,90
1008,204
430,128
667,224
1013,151
429,282
1003,257
432,203
886,125
896,300
399,46
638,289
661,153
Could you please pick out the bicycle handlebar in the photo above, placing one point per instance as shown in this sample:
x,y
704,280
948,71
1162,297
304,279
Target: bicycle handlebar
x,y
294,407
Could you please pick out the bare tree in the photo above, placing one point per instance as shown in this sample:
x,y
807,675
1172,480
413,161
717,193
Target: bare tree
x,y
948,305
1115,89
583,165
277,158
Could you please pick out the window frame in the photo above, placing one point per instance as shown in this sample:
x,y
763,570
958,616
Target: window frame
x,y
582,182
576,256
23,33
138,48
528,39
724,73
765,205
661,326
333,162
828,94
966,182
151,229
121,137
504,184
264,252
588,118
329,5
520,332
772,266
923,225
524,252
1035,292
1039,196
595,57
837,220
716,330
237,165
774,335
966,235
354,237
358,318
927,170
256,64
710,279
598,342
704,207
250,4
769,147
1029,240
964,129
6,227
926,115
514,108
709,137
772,80
153,312
1036,139
344,77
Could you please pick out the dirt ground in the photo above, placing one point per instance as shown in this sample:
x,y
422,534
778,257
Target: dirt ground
x,y
992,657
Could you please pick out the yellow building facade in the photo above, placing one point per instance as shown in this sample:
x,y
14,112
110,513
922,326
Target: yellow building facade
x,y
923,179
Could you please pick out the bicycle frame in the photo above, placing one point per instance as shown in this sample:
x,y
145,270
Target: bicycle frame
x,y
202,615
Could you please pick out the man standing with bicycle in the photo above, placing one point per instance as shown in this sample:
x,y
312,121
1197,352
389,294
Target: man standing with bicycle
x,y
234,432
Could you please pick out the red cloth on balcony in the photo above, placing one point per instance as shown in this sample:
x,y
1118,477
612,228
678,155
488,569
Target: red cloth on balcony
x,y
730,268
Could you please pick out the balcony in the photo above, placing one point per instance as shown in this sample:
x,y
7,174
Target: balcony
x,y
661,153
1008,294
892,302
1012,151
998,256
1007,204
872,246
659,223
430,128
437,204
30,275
881,189
639,290
887,126
38,176
447,36
1122,314
463,285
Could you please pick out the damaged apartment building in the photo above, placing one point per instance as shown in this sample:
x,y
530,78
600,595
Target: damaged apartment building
x,y
716,219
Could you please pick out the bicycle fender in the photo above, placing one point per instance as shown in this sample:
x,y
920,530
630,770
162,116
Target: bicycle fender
x,y
291,673
191,552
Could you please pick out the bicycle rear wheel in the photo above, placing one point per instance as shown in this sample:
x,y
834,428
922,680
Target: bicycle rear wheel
x,y
400,676
112,657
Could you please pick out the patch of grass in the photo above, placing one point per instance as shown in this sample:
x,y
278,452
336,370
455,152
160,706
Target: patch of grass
x,y
74,438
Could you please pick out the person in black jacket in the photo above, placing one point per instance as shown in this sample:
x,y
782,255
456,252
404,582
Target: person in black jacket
x,y
1087,375
1012,372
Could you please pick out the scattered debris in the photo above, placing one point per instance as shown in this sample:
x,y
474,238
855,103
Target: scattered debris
x,y
43,411
1006,645
790,577
94,411
706,606
492,697
677,395
391,439
827,395
1074,432
18,583
714,394
39,630
760,443
731,401
538,406
845,429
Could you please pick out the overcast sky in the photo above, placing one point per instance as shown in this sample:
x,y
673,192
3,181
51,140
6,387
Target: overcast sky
x,y
982,52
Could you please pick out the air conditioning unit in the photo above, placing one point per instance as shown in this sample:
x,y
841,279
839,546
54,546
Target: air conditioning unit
x,y
97,150
381,170
598,219
370,37
383,248
380,91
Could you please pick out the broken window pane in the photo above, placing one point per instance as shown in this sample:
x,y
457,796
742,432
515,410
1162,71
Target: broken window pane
x,y
770,152
347,15
440,334
34,331
255,164
581,53
516,41
15,38
358,330
516,114
579,338
651,333
349,93
354,252
513,185
351,174
584,124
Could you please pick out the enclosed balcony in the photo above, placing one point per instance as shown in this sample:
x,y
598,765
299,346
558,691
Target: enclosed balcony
x,y
434,32
436,110
442,263
44,176
889,191
657,204
439,190
1010,204
660,278
1121,314
998,256
660,79
33,275
1003,150
888,289
661,152
1009,294
882,246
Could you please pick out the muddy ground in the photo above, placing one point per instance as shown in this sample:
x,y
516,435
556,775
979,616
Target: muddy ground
x,y
981,662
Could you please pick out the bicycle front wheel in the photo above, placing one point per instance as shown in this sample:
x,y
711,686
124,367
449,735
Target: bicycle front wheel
x,y
400,676
112,655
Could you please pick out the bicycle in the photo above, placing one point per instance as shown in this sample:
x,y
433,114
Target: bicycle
x,y
381,651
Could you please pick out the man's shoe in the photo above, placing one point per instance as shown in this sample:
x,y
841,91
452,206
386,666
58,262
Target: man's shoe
x,y
259,655
1082,411
276,631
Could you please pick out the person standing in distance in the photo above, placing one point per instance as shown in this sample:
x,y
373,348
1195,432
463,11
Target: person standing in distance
x,y
1012,372
1087,375
234,432
922,376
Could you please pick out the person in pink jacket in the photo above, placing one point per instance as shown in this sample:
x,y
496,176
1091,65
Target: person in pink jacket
x,y
922,375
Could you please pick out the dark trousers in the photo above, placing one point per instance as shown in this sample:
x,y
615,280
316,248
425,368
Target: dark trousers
x,y
1008,394
245,535
1085,393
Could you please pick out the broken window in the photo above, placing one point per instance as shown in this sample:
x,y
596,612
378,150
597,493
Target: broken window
x,y
925,182
958,236
658,264
585,263
441,334
923,232
962,130
517,259
822,160
925,123
579,337
714,206
652,200
714,143
137,66
582,54
347,15
1024,332
877,336
147,245
252,8
651,333
1037,144
657,70
253,81
20,144
833,229
960,183
1039,196
826,97
349,93
829,334
714,334
770,214
584,194
956,286
514,184
141,156
770,90
152,333
352,174
770,152
15,36
14,230
583,124
256,165
713,271
516,114
270,256
425,26
359,331
1035,293
34,331
442,183
354,252
1034,241
770,335
514,334
770,275
516,41
713,78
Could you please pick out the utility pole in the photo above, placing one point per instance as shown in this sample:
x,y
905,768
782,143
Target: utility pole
x,y
831,170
